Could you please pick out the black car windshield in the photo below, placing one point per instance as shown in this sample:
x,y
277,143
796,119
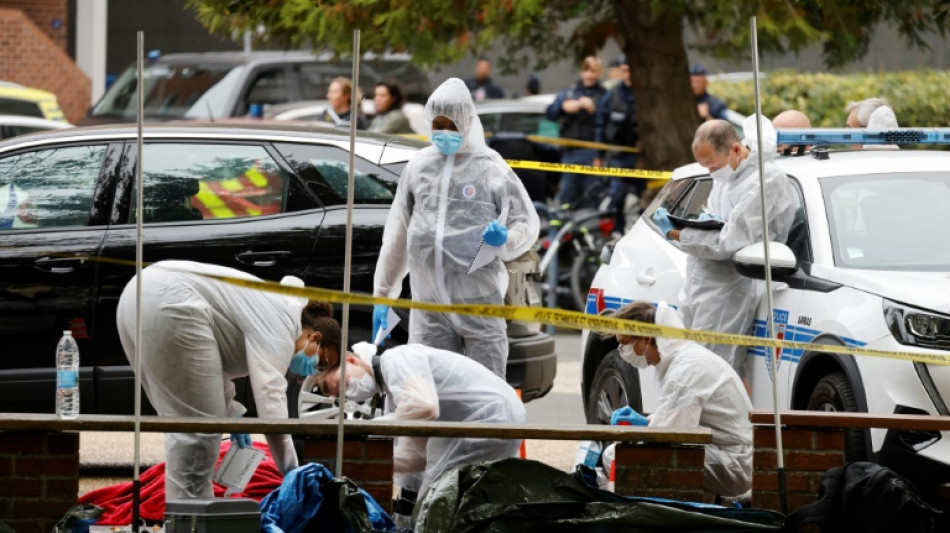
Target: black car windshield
x,y
173,91
889,221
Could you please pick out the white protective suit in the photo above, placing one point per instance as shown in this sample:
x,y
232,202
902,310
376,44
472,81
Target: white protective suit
x,y
718,298
424,383
442,205
198,335
698,389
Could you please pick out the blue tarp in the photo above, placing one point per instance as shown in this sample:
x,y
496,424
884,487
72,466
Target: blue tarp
x,y
300,498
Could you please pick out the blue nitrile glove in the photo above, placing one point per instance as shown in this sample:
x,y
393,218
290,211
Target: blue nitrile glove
x,y
662,219
709,216
379,318
495,234
243,440
626,416
303,365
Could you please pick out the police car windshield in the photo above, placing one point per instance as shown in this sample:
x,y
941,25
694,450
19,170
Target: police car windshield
x,y
889,221
172,91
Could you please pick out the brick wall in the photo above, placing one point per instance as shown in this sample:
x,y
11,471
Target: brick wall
x,y
368,462
29,56
45,14
660,470
39,479
809,452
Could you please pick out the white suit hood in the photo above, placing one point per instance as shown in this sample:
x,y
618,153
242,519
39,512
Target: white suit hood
x,y
769,138
454,101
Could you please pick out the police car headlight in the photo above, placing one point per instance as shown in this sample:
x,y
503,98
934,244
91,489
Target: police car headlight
x,y
917,327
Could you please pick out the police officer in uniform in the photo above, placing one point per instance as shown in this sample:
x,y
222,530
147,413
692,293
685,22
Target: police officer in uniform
x,y
616,123
574,108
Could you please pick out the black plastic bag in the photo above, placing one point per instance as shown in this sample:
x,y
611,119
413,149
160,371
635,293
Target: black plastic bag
x,y
523,496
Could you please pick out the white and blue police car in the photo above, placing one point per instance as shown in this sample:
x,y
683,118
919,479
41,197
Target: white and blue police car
x,y
871,269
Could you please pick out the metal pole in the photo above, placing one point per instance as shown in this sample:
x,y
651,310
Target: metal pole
x,y
552,267
354,111
140,117
775,355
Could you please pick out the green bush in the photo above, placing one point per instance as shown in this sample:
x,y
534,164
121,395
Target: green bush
x,y
919,98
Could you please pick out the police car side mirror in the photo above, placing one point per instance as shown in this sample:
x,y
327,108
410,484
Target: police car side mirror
x,y
750,261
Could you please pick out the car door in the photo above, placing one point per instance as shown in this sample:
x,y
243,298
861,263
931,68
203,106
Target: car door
x,y
324,169
232,204
790,323
658,266
54,208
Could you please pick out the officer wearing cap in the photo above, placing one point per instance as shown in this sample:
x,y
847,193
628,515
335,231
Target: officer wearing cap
x,y
708,106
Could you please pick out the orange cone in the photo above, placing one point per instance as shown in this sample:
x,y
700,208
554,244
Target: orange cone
x,y
522,450
611,481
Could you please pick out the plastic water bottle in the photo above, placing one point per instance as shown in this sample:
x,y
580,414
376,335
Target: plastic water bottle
x,y
67,377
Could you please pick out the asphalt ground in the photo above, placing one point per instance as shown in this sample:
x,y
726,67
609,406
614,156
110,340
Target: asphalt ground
x,y
106,458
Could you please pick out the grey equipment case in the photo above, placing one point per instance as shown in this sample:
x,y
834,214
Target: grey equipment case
x,y
213,515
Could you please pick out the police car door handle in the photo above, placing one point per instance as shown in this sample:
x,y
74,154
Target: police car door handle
x,y
262,259
646,278
58,265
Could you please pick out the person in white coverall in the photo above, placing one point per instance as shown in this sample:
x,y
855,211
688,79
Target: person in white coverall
x,y
198,334
718,298
697,389
423,383
450,198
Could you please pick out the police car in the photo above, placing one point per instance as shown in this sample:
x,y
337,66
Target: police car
x,y
871,268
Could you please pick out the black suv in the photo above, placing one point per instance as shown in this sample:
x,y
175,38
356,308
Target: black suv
x,y
270,202
216,85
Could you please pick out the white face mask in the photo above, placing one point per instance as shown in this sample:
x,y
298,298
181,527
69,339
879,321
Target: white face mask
x,y
362,389
722,174
632,357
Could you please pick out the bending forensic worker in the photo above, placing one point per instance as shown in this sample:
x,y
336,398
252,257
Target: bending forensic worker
x,y
423,383
198,334
697,389
452,196
718,298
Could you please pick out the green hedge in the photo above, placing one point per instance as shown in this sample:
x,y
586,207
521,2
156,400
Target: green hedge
x,y
920,98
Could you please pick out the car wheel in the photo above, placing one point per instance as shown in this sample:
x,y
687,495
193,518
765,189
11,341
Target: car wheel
x,y
616,384
583,271
833,393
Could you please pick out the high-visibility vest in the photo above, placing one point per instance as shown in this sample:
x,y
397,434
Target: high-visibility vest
x,y
232,198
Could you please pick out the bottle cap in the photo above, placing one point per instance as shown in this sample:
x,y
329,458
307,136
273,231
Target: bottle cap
x,y
67,332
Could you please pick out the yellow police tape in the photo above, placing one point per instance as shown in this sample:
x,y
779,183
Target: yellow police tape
x,y
578,169
577,143
573,143
576,320
587,169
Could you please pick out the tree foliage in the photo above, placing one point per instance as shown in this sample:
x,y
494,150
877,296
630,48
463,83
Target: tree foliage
x,y
919,97
443,31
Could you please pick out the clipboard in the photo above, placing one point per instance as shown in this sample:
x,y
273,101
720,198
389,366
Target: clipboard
x,y
696,224
486,253
236,468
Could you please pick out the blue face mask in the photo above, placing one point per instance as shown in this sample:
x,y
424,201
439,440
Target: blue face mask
x,y
448,142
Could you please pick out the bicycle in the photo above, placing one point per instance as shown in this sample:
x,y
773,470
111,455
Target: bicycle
x,y
586,230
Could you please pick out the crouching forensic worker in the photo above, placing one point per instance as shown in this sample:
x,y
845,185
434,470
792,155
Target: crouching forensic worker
x,y
697,389
423,383
198,334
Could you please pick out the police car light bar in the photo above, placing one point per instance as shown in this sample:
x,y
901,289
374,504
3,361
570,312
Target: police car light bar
x,y
819,136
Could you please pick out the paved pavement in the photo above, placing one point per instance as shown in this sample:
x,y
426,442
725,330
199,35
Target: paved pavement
x,y
107,457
